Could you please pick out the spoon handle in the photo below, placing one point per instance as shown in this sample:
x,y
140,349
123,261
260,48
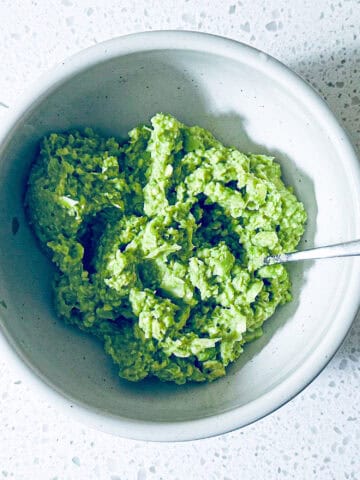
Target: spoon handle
x,y
346,249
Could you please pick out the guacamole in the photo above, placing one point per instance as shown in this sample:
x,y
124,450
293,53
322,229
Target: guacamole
x,y
158,241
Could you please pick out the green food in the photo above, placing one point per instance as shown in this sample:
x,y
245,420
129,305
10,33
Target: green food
x,y
158,243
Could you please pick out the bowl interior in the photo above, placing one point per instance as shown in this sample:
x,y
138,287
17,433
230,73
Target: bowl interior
x,y
242,106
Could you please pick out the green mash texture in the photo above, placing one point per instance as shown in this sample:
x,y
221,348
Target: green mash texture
x,y
158,243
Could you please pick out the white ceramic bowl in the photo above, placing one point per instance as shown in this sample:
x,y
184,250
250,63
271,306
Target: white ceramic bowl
x,y
248,99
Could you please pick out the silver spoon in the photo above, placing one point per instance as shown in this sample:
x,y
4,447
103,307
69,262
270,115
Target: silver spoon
x,y
346,249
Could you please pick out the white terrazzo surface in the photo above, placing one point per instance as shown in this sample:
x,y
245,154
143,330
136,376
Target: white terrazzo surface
x,y
317,435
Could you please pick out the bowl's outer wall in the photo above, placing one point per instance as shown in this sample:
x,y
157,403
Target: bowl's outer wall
x,y
243,101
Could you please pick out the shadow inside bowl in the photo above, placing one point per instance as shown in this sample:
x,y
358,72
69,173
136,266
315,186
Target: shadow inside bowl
x,y
114,110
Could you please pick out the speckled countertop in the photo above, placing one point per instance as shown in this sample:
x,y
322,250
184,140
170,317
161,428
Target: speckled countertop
x,y
317,435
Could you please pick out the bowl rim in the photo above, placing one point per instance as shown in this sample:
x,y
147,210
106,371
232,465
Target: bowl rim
x,y
317,360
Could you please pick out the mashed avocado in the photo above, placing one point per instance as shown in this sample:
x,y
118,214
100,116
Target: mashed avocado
x,y
157,244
